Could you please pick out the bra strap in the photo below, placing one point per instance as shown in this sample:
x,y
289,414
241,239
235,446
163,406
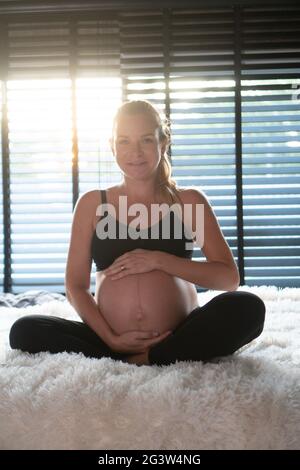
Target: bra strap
x,y
103,196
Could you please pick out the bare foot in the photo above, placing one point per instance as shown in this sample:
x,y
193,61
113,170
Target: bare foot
x,y
138,359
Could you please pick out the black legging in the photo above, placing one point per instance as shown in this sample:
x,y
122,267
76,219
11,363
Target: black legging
x,y
226,323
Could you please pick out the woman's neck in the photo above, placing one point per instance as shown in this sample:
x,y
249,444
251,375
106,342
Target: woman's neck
x,y
139,193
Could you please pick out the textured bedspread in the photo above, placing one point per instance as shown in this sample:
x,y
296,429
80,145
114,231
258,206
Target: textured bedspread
x,y
250,400
30,297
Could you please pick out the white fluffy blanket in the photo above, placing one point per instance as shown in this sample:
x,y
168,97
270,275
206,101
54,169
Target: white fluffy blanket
x,y
250,400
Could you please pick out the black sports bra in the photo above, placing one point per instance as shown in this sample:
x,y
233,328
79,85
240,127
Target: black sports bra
x,y
105,250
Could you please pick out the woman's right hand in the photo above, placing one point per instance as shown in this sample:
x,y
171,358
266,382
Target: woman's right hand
x,y
134,342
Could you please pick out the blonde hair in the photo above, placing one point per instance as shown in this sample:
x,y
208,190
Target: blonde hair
x,y
165,184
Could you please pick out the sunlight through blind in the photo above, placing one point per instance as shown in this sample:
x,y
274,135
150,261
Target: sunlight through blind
x,y
41,181
97,100
271,145
228,78
203,110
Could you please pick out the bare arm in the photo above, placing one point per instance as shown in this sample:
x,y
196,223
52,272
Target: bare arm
x,y
86,307
207,274
219,271
78,268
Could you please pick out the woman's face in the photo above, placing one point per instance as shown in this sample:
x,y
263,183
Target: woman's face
x,y
136,146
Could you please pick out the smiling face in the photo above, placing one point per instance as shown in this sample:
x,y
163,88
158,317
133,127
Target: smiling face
x,y
136,146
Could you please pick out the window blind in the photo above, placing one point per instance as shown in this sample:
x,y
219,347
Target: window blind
x,y
98,93
192,81
202,106
270,76
40,151
58,80
227,77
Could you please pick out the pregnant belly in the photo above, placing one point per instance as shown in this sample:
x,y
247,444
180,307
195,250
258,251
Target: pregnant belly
x,y
149,301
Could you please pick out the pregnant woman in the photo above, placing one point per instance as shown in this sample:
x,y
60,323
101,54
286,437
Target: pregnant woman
x,y
145,308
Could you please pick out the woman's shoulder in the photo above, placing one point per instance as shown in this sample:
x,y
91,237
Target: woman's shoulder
x,y
191,194
86,206
93,196
90,201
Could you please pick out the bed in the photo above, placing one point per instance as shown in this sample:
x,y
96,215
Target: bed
x,y
250,400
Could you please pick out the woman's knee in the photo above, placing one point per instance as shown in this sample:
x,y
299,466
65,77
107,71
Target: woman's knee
x,y
245,303
252,305
22,332
255,305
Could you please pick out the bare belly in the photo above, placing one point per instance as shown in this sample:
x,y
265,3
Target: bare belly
x,y
153,301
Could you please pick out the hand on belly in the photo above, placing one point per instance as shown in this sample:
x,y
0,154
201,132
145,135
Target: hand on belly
x,y
154,301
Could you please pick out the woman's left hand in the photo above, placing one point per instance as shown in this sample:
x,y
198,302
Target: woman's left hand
x,y
133,262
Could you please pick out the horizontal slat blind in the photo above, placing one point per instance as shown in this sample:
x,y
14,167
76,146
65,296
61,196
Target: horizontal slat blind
x,y
43,59
39,121
172,78
96,46
38,49
142,57
41,182
202,98
65,76
198,69
98,93
271,145
97,100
